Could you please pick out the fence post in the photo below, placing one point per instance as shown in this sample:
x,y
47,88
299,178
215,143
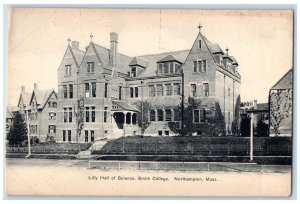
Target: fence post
x,y
228,148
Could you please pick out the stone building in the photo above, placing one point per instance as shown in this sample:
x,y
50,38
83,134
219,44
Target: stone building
x,y
281,106
99,88
41,106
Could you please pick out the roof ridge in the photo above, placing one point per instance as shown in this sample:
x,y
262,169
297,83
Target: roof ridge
x,y
163,53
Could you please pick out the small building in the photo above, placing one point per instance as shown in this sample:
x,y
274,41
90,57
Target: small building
x,y
9,120
281,106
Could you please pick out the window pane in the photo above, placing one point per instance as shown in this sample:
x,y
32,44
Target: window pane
x,y
87,90
131,92
160,116
136,90
65,92
206,89
152,115
168,115
171,67
159,90
202,115
195,66
70,91
196,116
193,90
176,89
151,91
204,66
166,68
87,114
168,89
93,89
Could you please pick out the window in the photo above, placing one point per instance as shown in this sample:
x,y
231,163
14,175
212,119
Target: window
x,y
200,66
106,90
202,115
160,133
160,68
65,115
152,115
166,68
54,105
90,67
70,91
168,90
136,92
65,92
151,91
167,132
177,67
168,115
205,89
120,92
69,135
64,135
93,89
203,67
52,116
131,92
86,136
87,114
92,135
93,114
228,92
193,90
200,44
159,90
133,72
49,104
105,114
70,115
51,129
87,90
171,67
68,70
160,116
196,116
176,89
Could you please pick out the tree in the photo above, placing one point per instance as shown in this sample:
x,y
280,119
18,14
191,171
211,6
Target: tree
x,y
245,126
280,108
236,120
18,131
211,126
262,129
143,115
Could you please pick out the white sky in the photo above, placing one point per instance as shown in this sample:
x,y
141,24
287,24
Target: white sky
x,y
261,41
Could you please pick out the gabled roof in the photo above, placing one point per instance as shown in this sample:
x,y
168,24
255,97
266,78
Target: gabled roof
x,y
168,58
103,55
42,97
233,60
26,98
124,106
215,48
78,55
8,113
151,69
138,61
285,82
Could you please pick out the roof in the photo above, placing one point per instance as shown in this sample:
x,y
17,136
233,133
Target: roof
x,y
215,48
26,97
123,60
138,61
8,113
42,97
260,107
152,60
78,54
168,58
124,106
233,60
286,82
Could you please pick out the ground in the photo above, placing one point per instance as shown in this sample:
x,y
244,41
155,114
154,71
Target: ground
x,y
73,177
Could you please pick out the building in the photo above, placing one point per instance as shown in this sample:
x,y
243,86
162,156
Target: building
x,y
99,89
41,108
9,120
281,106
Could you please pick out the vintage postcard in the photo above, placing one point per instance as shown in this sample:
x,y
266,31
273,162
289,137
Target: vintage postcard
x,y
149,102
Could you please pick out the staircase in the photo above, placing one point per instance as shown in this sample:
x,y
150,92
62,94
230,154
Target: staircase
x,y
87,154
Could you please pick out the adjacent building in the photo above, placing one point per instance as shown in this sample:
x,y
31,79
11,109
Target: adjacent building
x,y
281,106
39,109
100,90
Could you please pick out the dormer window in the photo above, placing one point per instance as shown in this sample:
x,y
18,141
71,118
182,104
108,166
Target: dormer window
x,y
90,67
133,72
168,68
68,70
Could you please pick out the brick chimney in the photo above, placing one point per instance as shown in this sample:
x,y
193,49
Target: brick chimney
x,y
23,89
75,45
113,55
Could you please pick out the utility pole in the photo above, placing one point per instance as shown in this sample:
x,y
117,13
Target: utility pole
x,y
142,133
28,137
251,138
182,99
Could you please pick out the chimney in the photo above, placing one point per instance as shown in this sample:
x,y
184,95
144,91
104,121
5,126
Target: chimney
x,y
75,45
35,86
255,104
23,89
113,55
227,54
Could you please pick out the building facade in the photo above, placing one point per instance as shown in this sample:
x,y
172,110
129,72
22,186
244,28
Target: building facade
x,y
100,91
39,109
281,106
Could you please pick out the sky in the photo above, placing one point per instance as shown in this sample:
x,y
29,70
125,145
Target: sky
x,y
261,41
